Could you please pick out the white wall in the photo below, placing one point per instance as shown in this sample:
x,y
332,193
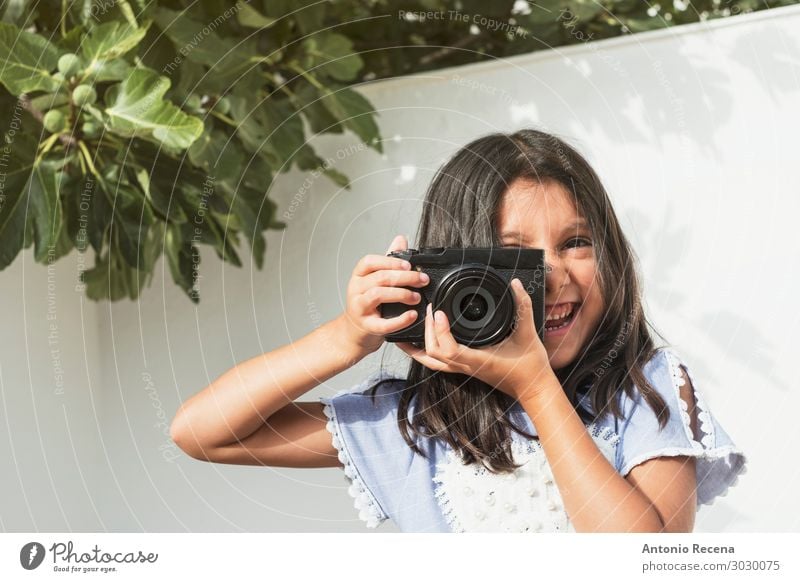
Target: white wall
x,y
693,131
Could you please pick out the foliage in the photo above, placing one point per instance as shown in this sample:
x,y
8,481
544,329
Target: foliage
x,y
137,128
397,37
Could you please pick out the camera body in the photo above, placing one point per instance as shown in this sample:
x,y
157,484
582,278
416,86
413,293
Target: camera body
x,y
473,287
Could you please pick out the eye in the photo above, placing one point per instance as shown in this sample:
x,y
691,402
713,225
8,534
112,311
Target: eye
x,y
586,242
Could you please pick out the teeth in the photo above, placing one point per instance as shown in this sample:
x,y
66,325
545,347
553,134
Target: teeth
x,y
563,312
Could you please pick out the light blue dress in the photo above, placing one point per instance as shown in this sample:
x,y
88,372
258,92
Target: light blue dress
x,y
387,480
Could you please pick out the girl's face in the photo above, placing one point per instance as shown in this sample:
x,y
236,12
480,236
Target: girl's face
x,y
543,216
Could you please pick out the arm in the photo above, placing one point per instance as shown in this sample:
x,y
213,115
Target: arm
x,y
248,415
657,496
244,416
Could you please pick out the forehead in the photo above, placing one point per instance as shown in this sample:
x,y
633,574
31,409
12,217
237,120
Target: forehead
x,y
528,205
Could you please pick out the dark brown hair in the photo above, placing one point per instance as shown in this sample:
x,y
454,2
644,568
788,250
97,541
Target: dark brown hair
x,y
460,210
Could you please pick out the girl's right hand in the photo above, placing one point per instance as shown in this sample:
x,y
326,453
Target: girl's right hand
x,y
378,279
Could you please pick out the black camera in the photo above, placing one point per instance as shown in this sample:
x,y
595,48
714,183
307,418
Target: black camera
x,y
473,287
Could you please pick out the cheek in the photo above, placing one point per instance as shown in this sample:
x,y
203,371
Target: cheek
x,y
589,283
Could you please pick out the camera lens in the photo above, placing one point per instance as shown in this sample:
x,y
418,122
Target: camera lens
x,y
474,308
478,303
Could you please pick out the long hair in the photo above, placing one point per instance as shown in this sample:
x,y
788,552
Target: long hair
x,y
460,209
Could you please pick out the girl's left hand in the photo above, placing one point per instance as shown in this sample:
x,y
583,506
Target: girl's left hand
x,y
516,366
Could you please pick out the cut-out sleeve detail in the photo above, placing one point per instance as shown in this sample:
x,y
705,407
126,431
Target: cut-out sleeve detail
x,y
692,430
363,435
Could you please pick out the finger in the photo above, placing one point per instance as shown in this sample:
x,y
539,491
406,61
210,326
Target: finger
x,y
371,263
377,325
524,310
399,243
395,278
431,343
423,358
464,358
449,348
374,296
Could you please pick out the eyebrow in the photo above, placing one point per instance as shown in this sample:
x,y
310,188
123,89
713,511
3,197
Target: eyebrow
x,y
574,226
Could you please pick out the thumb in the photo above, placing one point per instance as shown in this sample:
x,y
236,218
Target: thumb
x,y
524,311
399,243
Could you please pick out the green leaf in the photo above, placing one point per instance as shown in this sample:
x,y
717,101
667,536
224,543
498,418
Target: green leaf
x,y
307,160
111,278
111,70
255,212
223,238
269,127
100,220
71,42
132,218
191,76
309,14
136,109
171,181
331,54
194,40
307,100
50,100
16,11
26,60
257,173
107,279
45,209
85,210
585,9
63,245
197,41
183,259
355,112
20,153
217,155
252,18
110,41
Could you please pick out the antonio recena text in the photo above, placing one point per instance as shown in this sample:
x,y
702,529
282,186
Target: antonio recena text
x,y
685,549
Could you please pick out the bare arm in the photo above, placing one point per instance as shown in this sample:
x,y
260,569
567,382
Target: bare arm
x,y
249,415
657,496
244,416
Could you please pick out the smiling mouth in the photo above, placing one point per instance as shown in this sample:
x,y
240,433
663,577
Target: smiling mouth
x,y
554,323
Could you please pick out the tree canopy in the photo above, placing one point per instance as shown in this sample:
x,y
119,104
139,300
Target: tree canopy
x,y
140,128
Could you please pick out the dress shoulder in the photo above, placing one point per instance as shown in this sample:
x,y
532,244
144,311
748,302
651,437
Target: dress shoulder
x,y
691,430
366,435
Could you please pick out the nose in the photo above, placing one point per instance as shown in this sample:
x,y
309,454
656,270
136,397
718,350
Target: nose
x,y
557,275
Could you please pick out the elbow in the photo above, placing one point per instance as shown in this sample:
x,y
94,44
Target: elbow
x,y
177,428
177,433
183,437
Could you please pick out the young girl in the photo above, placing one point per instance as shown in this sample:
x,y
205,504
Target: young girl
x,y
592,429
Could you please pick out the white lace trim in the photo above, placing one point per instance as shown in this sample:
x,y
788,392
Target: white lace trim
x,y
705,449
473,499
368,509
706,425
727,453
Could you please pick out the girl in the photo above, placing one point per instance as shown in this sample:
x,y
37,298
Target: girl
x,y
592,429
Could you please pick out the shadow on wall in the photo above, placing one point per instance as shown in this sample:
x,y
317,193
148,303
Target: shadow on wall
x,y
689,97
